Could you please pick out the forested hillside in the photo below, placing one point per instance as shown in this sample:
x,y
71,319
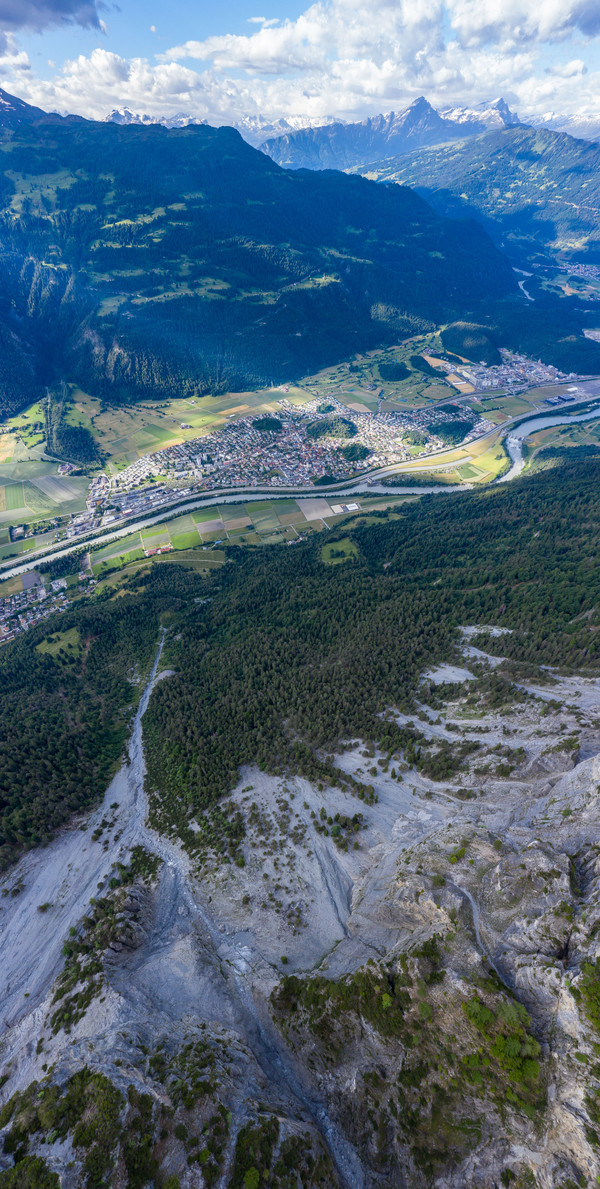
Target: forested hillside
x,y
289,656
146,261
529,186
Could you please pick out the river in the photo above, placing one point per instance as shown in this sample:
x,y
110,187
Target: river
x,y
373,484
516,437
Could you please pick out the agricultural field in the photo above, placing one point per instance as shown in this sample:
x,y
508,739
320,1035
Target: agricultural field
x,y
31,488
260,522
31,491
126,433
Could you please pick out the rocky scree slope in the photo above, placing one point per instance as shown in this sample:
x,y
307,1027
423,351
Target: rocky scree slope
x,y
395,983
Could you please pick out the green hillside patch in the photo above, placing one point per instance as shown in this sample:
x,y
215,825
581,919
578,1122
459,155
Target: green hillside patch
x,y
393,370
67,643
268,424
338,551
471,341
332,427
355,452
422,365
452,432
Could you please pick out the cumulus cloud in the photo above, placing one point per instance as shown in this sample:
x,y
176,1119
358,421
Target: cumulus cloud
x,y
392,29
12,59
341,30
342,58
41,14
572,69
517,22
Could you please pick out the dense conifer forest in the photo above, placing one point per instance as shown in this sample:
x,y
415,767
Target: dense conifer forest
x,y
288,656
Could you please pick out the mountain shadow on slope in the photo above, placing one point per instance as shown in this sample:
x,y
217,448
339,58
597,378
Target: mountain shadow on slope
x,y
152,262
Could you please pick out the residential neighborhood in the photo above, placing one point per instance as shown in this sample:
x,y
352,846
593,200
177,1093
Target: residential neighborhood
x,y
26,608
243,454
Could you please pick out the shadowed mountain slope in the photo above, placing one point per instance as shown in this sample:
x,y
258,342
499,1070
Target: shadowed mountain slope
x,y
140,260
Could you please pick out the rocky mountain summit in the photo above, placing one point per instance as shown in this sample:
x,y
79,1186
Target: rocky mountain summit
x,y
342,146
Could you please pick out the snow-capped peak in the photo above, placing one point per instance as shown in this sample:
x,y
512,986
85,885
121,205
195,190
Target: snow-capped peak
x,y
494,113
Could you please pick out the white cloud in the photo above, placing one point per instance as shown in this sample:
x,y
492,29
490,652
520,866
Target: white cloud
x,y
13,60
573,69
519,22
345,58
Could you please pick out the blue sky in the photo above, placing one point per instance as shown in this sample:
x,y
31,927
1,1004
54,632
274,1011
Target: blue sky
x,y
129,25
303,62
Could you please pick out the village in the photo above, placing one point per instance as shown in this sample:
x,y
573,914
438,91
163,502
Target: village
x,y
244,454
23,610
298,444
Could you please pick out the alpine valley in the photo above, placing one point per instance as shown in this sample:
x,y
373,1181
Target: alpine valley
x,y
299,654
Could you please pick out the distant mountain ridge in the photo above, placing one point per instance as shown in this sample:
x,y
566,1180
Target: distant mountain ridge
x,y
343,146
581,125
529,186
14,111
328,143
283,139
493,114
252,128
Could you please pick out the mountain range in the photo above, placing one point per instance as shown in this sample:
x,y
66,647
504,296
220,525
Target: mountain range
x,y
533,189
140,261
582,125
252,128
342,146
474,119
